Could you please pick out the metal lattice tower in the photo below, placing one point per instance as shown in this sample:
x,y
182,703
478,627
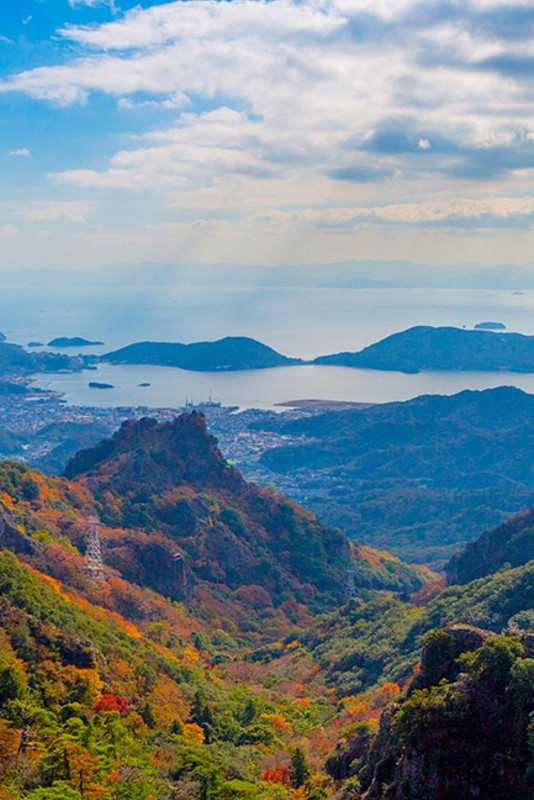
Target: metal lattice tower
x,y
350,586
94,564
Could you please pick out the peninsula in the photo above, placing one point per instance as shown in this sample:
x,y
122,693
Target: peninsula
x,y
225,355
428,348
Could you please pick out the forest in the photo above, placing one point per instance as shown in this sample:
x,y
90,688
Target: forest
x,y
270,659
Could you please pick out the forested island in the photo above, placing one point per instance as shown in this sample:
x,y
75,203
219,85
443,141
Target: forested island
x,y
427,348
72,341
228,354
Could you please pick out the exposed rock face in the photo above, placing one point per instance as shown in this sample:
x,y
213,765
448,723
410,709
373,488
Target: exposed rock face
x,y
462,736
171,483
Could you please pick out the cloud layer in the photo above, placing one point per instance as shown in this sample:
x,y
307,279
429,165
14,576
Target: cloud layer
x,y
332,113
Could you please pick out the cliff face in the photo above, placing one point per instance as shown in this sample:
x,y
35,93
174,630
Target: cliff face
x,y
465,737
462,729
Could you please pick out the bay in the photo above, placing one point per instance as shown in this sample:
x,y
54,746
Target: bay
x,y
297,322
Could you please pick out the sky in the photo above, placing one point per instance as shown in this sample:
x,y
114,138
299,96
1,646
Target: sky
x,y
252,132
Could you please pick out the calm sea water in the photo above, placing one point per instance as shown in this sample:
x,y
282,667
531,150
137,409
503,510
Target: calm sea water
x,y
296,322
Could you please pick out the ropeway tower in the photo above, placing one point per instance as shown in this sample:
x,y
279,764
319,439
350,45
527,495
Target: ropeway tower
x,y
350,586
94,564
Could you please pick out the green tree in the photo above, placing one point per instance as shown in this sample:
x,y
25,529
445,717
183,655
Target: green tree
x,y
299,769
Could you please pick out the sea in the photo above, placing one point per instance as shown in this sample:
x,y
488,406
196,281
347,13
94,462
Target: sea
x,y
297,322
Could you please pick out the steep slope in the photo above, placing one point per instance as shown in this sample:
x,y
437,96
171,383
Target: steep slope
x,y
461,731
230,353
427,348
93,706
172,478
511,544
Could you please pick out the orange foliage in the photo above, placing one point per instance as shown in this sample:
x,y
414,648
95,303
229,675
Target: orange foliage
x,y
277,775
386,693
7,500
278,722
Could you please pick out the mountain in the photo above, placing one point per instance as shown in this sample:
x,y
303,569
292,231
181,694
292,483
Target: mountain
x,y
417,478
509,545
230,353
213,655
175,670
427,348
357,273
171,478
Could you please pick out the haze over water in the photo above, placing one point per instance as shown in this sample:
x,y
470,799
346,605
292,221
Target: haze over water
x,y
296,322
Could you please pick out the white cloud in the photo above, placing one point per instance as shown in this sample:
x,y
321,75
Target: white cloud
x,y
75,211
477,211
92,3
350,104
317,82
23,151
8,230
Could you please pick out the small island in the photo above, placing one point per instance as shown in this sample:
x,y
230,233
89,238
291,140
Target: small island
x,y
145,384
97,385
35,344
490,326
72,341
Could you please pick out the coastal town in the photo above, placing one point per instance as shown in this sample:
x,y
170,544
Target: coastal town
x,y
41,429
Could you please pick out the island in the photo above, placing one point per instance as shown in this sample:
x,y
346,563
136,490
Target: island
x,y
97,385
72,341
35,344
490,326
144,384
229,354
428,348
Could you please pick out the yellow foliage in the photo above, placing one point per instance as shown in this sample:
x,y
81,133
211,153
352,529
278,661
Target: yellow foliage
x,y
7,500
191,655
358,708
194,733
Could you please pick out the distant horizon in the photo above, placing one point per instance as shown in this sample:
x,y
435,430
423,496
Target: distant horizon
x,y
356,274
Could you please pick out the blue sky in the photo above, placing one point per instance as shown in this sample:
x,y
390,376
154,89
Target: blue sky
x,y
266,132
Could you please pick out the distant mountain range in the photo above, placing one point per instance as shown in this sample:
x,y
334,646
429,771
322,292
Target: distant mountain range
x,y
417,478
354,274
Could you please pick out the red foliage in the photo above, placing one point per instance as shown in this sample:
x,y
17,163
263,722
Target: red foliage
x,y
111,702
278,775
